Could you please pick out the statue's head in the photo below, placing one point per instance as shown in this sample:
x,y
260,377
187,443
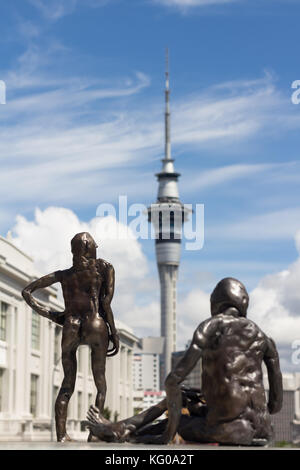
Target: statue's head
x,y
83,246
229,293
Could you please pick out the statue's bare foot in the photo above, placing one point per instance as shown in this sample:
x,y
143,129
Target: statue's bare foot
x,y
94,416
65,438
102,429
102,432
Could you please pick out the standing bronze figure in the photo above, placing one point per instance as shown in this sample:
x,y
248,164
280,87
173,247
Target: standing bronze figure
x,y
88,289
232,408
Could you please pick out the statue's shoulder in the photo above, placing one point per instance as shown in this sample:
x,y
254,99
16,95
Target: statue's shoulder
x,y
61,274
250,325
203,331
104,265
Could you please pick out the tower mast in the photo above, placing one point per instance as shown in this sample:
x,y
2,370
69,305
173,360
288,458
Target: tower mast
x,y
167,216
167,111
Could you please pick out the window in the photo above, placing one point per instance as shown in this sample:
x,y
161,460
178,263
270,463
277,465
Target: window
x,y
90,363
57,353
3,321
16,326
79,360
79,405
55,392
90,399
1,389
33,394
35,330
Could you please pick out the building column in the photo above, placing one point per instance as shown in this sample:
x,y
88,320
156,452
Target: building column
x,y
10,360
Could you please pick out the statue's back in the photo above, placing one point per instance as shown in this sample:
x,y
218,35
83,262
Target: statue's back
x,y
232,368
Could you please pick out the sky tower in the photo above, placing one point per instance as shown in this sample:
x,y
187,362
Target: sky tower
x,y
167,216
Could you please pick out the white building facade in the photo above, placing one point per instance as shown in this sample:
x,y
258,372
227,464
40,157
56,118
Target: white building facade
x,y
146,371
143,400
146,364
30,366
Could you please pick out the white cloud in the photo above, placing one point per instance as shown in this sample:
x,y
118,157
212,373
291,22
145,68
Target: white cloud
x,y
185,4
192,310
64,134
56,9
275,225
223,174
229,112
47,239
274,306
274,303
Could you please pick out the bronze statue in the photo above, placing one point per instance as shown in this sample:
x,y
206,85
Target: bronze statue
x,y
232,408
88,289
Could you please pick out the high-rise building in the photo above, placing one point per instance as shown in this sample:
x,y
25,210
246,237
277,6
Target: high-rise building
x,y
194,378
146,364
167,216
286,423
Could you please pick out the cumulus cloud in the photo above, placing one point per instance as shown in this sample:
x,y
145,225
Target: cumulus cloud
x,y
274,306
47,239
274,303
192,310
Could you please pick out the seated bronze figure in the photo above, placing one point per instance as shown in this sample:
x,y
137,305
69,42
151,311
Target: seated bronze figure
x,y
233,408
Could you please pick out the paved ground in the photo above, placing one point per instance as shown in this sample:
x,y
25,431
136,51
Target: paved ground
x,y
110,447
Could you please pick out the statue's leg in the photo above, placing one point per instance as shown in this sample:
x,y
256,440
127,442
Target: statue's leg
x,y
98,360
70,344
98,356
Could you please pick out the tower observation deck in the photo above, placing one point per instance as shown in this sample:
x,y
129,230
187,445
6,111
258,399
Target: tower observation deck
x,y
167,216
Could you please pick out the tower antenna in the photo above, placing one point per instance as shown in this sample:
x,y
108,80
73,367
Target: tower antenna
x,y
167,111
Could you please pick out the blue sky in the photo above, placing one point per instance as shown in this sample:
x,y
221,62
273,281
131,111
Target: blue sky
x,y
83,123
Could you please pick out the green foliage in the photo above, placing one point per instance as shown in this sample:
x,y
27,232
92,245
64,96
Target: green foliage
x,y
106,413
283,444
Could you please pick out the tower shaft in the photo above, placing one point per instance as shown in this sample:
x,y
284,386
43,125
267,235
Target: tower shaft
x,y
167,216
168,280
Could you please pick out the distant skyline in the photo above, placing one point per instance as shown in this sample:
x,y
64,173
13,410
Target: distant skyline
x,y
83,123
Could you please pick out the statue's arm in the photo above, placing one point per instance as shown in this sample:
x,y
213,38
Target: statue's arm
x,y
174,379
42,283
271,360
109,289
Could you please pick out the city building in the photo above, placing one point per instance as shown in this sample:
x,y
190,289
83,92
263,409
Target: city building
x,y
167,216
146,364
30,369
194,378
286,423
144,399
